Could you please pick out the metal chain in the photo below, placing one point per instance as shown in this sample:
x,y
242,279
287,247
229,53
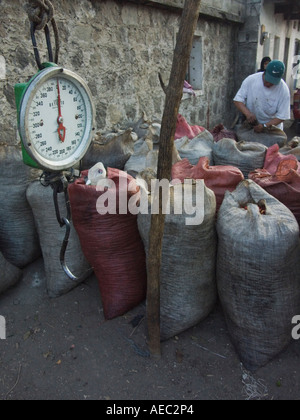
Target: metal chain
x,y
41,13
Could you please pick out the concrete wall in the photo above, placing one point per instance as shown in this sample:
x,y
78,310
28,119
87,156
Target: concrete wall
x,y
274,46
232,10
119,47
248,41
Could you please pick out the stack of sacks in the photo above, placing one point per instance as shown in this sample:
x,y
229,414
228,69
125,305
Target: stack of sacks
x,y
245,156
292,148
268,137
183,129
113,149
218,178
196,148
280,177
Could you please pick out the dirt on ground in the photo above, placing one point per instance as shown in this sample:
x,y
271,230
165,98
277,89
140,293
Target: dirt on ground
x,y
63,349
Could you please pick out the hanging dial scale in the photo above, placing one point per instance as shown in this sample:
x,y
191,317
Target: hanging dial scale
x,y
56,119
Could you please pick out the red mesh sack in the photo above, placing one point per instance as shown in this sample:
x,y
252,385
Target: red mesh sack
x,y
220,132
183,129
218,178
111,242
274,158
284,185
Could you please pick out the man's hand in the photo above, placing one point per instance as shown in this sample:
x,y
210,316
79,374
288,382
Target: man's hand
x,y
251,118
259,128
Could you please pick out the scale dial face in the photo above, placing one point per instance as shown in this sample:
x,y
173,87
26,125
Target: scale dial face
x,y
57,119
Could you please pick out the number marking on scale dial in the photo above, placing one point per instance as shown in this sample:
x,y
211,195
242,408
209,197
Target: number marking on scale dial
x,y
57,119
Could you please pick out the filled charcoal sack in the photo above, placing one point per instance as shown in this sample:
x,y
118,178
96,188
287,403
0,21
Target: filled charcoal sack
x,y
19,240
258,272
184,129
284,185
292,148
142,158
268,137
188,284
194,149
113,150
51,239
217,178
146,158
274,159
110,240
245,156
10,275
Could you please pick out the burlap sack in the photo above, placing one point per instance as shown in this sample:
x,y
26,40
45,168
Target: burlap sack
x,y
258,272
19,240
188,287
51,239
10,275
268,137
245,156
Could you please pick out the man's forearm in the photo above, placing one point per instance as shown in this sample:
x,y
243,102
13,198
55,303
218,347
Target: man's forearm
x,y
245,111
242,107
274,121
260,127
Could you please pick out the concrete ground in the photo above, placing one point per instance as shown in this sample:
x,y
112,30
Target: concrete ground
x,y
63,349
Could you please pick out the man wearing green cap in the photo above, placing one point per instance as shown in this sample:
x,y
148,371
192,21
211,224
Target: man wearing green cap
x,y
264,98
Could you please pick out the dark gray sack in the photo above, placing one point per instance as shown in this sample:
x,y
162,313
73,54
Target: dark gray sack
x,y
51,238
245,156
113,150
188,284
19,241
10,275
268,137
258,273
194,149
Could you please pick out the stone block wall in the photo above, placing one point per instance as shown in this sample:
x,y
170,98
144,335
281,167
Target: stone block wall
x,y
119,47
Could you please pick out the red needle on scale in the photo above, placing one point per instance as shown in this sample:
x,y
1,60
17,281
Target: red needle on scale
x,y
61,128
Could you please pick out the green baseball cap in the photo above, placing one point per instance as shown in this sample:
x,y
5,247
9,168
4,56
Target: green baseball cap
x,y
274,72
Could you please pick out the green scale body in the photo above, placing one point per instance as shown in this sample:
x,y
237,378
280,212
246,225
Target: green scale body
x,y
20,90
56,118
